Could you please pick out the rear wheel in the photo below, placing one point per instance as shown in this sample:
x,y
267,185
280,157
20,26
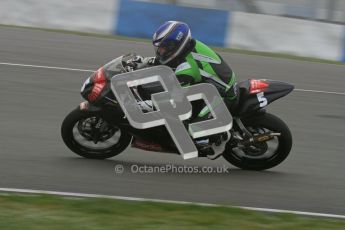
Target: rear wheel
x,y
90,136
261,155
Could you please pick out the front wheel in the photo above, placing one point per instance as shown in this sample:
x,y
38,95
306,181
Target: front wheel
x,y
89,135
263,155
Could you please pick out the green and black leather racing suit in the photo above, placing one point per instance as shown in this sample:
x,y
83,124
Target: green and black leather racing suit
x,y
198,63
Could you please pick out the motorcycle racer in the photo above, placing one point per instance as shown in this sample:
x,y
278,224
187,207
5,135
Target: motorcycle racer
x,y
193,62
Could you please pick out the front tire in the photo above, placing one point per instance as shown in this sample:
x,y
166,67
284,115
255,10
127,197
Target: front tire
x,y
82,143
284,144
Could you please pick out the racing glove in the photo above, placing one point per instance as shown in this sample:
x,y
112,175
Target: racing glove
x,y
139,62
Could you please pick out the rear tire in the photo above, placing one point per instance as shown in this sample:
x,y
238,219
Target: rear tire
x,y
68,137
270,122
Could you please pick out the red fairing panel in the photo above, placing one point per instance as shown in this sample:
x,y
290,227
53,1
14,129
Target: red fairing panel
x,y
146,145
99,82
257,86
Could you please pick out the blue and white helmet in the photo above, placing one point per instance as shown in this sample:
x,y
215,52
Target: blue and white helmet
x,y
170,39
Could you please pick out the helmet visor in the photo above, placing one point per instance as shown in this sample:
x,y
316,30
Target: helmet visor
x,y
165,50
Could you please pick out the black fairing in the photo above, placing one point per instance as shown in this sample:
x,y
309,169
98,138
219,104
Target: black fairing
x,y
115,115
249,98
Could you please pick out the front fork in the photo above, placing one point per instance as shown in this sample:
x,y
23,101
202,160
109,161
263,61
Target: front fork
x,y
98,126
86,106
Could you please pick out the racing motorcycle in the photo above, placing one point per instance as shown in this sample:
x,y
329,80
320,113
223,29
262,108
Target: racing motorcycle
x,y
99,129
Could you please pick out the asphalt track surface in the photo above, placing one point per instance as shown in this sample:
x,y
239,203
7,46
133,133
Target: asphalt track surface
x,y
34,101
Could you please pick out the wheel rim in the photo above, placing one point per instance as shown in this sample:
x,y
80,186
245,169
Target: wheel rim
x,y
84,132
264,150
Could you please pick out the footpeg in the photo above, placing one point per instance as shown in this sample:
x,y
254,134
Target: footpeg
x,y
219,146
214,147
214,156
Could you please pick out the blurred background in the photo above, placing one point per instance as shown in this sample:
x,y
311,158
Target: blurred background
x,y
310,28
323,10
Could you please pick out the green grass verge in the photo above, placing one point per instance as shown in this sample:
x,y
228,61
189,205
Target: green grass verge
x,y
52,212
230,50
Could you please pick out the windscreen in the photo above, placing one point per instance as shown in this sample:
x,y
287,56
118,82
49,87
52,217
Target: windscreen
x,y
114,67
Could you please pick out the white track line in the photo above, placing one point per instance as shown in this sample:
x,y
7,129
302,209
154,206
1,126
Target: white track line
x,y
87,70
86,195
314,214
46,67
319,91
